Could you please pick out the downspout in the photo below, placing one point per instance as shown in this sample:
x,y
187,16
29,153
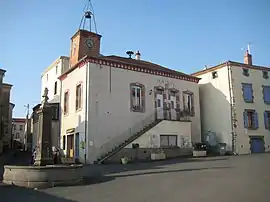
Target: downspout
x,y
231,106
86,111
60,115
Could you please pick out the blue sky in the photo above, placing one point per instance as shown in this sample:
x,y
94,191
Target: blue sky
x,y
180,34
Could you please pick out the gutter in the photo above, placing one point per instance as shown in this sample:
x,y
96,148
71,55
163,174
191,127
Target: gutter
x,y
86,106
231,106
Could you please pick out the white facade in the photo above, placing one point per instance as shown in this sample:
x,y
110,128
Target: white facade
x,y
19,129
106,106
49,78
222,104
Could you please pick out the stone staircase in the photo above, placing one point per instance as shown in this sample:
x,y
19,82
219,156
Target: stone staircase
x,y
129,136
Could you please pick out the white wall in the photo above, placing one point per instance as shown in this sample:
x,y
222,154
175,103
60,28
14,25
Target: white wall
x,y
50,76
215,105
110,114
19,132
257,80
151,139
74,119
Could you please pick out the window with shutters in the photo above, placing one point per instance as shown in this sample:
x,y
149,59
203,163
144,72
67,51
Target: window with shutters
x,y
168,141
265,74
137,97
267,120
55,88
266,94
245,72
247,92
188,100
250,119
78,97
55,112
66,102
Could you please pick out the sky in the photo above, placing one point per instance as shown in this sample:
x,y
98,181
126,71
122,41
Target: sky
x,y
184,35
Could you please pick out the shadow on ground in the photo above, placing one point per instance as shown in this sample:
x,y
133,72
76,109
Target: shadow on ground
x,y
17,194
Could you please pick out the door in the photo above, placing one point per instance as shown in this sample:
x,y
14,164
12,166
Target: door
x,y
173,107
160,113
77,145
256,145
70,145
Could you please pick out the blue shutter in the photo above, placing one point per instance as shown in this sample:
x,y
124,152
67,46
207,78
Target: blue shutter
x,y
266,121
267,94
245,117
247,92
255,120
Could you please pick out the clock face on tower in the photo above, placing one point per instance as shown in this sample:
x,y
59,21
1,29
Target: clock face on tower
x,y
89,43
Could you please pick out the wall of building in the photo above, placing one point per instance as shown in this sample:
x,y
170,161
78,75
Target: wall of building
x,y
19,130
50,76
110,114
256,79
6,113
74,120
151,139
215,105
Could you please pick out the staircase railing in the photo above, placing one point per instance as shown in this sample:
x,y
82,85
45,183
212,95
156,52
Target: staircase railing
x,y
116,141
127,134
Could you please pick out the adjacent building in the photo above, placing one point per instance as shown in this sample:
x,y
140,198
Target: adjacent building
x,y
19,130
112,103
235,104
49,78
5,134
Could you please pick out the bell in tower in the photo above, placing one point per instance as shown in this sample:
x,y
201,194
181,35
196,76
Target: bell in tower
x,y
85,41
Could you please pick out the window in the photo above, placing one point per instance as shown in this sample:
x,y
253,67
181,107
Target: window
x,y
137,97
188,99
17,135
56,69
245,72
266,94
265,74
168,140
214,75
78,96
55,112
47,77
66,102
64,142
21,127
247,92
250,119
55,87
267,120
14,126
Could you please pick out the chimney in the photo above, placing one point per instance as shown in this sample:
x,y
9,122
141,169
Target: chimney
x,y
248,58
138,55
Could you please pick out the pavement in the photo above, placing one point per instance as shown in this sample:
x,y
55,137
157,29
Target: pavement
x,y
213,179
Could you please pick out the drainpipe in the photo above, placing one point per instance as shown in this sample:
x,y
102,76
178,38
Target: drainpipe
x,y
60,114
86,111
231,106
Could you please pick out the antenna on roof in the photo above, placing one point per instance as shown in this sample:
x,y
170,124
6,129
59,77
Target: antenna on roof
x,y
129,53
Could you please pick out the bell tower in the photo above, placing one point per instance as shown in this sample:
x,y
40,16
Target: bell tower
x,y
85,41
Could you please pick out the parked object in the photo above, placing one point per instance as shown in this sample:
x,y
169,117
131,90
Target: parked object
x,y
158,156
200,149
222,149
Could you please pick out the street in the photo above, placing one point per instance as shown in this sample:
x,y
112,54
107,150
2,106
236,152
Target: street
x,y
216,179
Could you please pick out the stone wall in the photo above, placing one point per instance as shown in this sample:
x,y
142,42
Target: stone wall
x,y
144,154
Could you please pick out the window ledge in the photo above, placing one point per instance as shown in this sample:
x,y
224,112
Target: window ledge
x,y
252,128
249,101
79,109
266,102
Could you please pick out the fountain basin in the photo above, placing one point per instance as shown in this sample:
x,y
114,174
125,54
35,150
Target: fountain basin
x,y
43,176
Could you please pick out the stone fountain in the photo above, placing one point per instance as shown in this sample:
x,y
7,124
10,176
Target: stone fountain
x,y
43,174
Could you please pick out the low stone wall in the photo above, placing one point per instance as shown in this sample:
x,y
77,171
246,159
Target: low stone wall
x,y
144,154
43,176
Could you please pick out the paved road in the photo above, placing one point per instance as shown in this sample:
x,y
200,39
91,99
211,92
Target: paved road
x,y
219,179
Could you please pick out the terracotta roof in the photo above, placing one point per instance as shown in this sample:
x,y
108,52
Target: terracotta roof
x,y
231,63
144,64
19,120
132,64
